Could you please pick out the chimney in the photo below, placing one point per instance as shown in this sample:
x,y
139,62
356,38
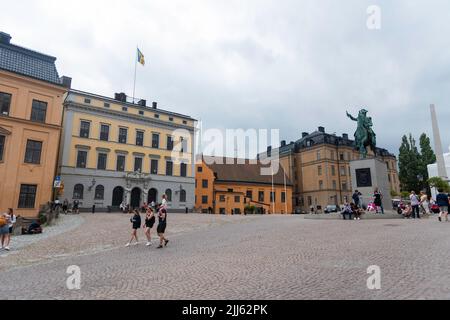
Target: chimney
x,y
122,97
322,129
283,143
66,82
345,136
304,134
154,105
5,38
142,102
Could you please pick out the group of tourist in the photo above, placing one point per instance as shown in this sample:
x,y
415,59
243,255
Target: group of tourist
x,y
149,222
7,221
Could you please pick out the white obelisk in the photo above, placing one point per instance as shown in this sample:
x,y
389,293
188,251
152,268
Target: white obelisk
x,y
442,172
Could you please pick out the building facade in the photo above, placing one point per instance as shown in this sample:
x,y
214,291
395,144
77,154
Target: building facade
x,y
318,164
227,186
114,151
31,98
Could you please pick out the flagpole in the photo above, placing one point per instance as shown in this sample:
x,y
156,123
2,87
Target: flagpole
x,y
135,65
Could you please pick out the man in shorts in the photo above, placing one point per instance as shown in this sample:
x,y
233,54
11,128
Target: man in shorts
x,y
442,200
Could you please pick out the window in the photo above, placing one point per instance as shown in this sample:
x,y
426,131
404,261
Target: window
x,y
155,140
156,116
283,197
125,109
237,211
154,166
169,143
343,171
237,199
139,138
199,169
183,196
141,112
333,170
168,194
104,132
341,157
204,199
86,100
204,183
318,155
2,146
5,103
27,196
249,194
38,111
261,196
81,159
309,201
183,169
320,184
344,186
123,132
334,185
99,192
184,122
319,170
230,190
170,118
101,161
222,211
389,177
106,105
78,191
84,129
33,152
332,155
221,198
272,196
137,164
169,168
120,163
184,147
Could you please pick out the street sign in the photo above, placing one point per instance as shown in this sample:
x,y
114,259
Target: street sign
x,y
57,182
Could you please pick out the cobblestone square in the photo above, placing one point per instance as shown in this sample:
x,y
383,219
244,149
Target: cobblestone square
x,y
232,257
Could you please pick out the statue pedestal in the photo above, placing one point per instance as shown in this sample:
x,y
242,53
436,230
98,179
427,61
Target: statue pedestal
x,y
368,174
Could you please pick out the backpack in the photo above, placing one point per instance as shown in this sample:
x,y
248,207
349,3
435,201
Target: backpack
x,y
3,221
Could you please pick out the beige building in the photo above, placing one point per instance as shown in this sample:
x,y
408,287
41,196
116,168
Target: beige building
x,y
31,97
318,165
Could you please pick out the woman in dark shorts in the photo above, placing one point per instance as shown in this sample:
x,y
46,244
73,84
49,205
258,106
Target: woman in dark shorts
x,y
148,224
162,216
136,224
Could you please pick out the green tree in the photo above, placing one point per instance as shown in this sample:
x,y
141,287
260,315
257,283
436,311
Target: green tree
x,y
427,157
439,183
409,164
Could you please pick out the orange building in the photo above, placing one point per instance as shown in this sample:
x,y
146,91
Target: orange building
x,y
31,96
226,186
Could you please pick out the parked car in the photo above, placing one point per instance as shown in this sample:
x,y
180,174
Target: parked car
x,y
331,208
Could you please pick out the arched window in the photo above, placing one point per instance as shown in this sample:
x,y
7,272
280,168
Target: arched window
x,y
169,194
99,192
183,196
78,191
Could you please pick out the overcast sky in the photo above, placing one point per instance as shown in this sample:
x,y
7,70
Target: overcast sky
x,y
289,64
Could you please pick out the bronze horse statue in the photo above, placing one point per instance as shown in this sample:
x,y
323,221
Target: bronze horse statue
x,y
364,135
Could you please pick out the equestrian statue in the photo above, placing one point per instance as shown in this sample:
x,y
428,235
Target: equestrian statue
x,y
364,135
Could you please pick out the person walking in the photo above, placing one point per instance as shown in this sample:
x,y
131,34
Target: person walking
x,y
11,221
442,200
163,204
424,203
161,229
4,229
65,206
356,195
378,200
76,207
136,224
148,224
415,203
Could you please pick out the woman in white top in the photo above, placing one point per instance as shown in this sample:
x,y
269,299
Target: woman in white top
x,y
12,220
163,203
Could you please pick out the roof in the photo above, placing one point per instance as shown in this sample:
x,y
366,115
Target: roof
x,y
245,173
27,62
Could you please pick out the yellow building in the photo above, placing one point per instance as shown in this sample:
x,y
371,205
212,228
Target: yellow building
x,y
31,96
228,186
114,151
318,164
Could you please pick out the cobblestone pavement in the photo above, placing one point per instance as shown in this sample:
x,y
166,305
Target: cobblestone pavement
x,y
252,257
